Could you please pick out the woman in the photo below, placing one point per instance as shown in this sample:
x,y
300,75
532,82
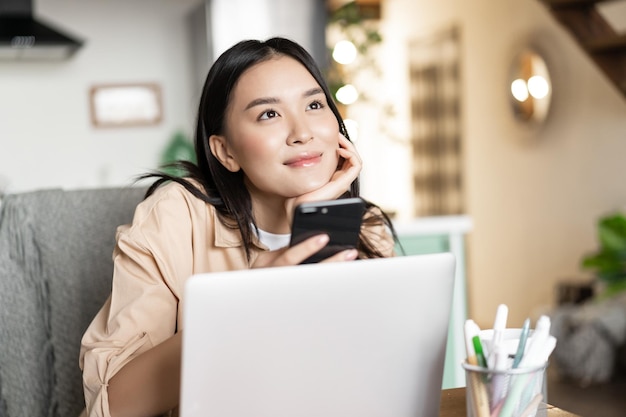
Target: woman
x,y
268,137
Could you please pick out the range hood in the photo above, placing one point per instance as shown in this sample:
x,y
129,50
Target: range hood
x,y
23,37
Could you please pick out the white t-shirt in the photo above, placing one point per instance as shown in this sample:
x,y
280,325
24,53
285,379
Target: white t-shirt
x,y
274,241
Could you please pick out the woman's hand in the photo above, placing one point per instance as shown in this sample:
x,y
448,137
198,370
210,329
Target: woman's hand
x,y
348,170
298,253
350,165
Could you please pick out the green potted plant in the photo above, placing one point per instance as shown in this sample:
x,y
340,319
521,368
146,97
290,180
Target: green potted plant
x,y
179,148
609,261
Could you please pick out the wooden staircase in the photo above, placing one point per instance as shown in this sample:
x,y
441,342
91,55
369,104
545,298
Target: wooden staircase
x,y
595,35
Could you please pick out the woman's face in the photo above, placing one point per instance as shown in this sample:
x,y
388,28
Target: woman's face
x,y
280,130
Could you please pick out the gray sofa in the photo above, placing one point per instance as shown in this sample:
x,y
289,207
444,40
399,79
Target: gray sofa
x,y
55,273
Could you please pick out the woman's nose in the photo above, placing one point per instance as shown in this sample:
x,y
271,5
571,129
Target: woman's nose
x,y
300,133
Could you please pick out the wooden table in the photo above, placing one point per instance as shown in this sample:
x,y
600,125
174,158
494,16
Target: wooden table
x,y
453,405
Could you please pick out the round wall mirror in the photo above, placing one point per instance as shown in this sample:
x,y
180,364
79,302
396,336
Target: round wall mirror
x,y
530,88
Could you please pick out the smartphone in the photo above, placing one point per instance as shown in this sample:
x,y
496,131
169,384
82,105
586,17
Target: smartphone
x,y
339,219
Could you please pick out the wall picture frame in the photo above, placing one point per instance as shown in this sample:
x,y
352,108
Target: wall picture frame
x,y
125,105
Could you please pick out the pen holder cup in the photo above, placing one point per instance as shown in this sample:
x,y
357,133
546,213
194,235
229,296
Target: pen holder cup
x,y
516,392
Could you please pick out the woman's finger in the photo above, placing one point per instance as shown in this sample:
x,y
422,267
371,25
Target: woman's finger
x,y
293,255
348,148
344,255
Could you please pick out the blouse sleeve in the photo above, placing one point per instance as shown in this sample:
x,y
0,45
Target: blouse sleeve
x,y
151,259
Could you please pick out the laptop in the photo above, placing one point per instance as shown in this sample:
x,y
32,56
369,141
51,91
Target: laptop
x,y
365,338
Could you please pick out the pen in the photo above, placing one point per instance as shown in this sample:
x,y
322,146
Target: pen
x,y
534,356
540,336
514,394
499,324
532,406
498,380
480,399
522,343
536,381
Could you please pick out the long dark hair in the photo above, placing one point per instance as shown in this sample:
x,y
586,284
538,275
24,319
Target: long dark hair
x,y
223,189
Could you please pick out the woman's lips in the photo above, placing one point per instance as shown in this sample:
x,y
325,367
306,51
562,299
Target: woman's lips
x,y
304,161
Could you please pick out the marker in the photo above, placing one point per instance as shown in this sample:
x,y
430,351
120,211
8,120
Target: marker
x,y
522,343
531,408
537,343
498,379
499,324
480,355
480,399
540,343
536,381
470,332
548,347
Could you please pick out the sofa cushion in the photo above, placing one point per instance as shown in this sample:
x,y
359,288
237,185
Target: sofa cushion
x,y
55,273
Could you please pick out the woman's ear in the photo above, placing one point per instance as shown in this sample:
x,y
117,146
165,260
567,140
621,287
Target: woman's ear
x,y
219,149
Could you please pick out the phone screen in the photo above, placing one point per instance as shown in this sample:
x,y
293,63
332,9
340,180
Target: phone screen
x,y
340,219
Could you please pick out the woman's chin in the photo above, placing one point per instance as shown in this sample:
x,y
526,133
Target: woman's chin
x,y
309,188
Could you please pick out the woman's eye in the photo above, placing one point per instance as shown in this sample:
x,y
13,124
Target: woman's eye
x,y
316,105
268,114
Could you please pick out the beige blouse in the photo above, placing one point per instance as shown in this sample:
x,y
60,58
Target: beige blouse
x,y
173,235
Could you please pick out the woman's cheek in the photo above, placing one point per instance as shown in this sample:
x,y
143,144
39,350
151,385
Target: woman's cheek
x,y
328,128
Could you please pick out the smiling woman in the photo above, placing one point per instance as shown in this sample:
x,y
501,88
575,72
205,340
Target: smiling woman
x,y
282,134
268,138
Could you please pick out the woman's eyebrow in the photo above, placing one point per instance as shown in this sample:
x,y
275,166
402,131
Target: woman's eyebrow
x,y
313,91
261,101
273,100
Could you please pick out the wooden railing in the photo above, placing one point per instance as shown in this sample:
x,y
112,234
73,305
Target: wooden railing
x,y
604,45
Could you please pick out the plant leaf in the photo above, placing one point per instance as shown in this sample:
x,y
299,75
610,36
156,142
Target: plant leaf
x,y
612,289
612,232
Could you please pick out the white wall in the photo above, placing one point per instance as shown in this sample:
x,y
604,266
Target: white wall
x,y
300,20
46,137
534,194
